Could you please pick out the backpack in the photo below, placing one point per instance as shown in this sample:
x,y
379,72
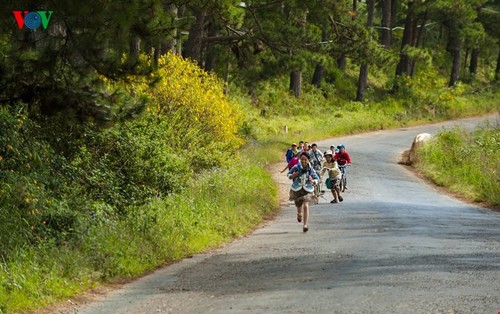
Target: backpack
x,y
328,184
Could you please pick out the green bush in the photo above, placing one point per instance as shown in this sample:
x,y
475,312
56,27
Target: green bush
x,y
29,207
130,163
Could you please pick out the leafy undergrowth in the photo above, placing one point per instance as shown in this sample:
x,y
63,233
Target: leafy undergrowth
x,y
216,207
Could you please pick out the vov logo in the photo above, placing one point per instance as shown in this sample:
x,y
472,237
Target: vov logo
x,y
32,20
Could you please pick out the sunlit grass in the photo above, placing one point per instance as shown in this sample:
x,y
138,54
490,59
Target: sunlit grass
x,y
466,163
218,206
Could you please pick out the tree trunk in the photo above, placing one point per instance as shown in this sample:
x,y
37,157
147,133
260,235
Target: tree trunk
x,y
342,62
363,71
473,61
210,59
421,32
454,47
157,53
179,46
135,46
497,70
318,75
324,34
455,69
211,52
386,24
371,12
466,57
394,11
194,44
418,40
320,68
404,65
362,82
134,51
227,69
170,44
413,65
296,82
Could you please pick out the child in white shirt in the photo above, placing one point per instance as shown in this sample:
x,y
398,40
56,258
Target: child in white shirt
x,y
334,176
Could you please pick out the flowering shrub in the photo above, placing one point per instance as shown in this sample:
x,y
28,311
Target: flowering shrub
x,y
193,103
29,210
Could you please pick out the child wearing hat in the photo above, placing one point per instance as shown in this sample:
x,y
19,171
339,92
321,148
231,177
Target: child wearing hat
x,y
334,176
292,152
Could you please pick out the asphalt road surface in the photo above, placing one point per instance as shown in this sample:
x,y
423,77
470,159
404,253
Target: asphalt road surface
x,y
395,245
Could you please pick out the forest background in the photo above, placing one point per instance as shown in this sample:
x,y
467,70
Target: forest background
x,y
135,133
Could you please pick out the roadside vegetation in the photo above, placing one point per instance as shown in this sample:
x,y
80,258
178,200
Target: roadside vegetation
x,y
87,204
274,118
466,163
134,136
83,204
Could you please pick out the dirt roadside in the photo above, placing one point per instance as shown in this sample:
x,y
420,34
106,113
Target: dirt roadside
x,y
281,180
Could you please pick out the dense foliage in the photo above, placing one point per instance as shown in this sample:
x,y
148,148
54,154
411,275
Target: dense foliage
x,y
57,177
88,192
62,67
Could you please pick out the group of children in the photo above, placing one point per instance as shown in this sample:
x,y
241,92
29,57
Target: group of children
x,y
304,162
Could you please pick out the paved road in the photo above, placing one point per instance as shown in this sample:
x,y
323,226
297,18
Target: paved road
x,y
395,245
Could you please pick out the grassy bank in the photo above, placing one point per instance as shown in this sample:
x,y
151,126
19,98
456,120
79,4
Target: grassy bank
x,y
311,118
466,163
217,207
